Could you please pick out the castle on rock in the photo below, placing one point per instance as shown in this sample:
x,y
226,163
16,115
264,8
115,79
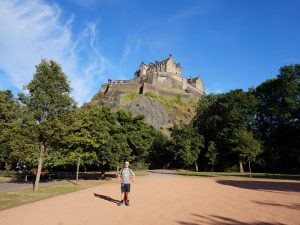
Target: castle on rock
x,y
162,78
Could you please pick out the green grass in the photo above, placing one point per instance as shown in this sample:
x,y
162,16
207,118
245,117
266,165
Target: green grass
x,y
10,199
169,102
240,175
125,98
151,94
140,173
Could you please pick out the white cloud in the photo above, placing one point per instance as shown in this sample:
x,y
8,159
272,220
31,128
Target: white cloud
x,y
132,46
195,10
32,29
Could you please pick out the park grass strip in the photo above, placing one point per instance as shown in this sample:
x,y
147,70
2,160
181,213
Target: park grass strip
x,y
10,199
240,175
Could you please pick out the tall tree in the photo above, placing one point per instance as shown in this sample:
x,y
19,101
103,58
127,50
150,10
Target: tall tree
x,y
247,146
212,154
279,119
9,115
139,134
49,101
17,138
160,155
187,145
218,116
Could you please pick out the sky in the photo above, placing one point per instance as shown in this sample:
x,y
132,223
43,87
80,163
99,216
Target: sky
x,y
230,43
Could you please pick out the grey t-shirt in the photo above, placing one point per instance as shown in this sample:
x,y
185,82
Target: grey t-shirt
x,y
125,174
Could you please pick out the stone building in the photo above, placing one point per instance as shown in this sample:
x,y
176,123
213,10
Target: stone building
x,y
162,78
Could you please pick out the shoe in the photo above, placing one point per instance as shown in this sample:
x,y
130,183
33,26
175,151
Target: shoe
x,y
121,203
127,203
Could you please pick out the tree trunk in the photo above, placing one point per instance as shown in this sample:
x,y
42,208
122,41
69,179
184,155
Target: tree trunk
x,y
117,171
40,165
212,168
249,162
77,171
241,166
196,166
102,175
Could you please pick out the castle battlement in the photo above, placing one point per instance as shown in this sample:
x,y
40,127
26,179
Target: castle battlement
x,y
160,76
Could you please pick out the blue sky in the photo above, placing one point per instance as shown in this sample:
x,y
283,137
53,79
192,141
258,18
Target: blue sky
x,y
229,43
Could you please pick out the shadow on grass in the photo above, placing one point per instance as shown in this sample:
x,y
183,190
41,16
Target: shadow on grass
x,y
216,220
262,185
107,198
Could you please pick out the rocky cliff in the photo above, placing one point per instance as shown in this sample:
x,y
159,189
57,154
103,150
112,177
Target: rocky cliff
x,y
159,111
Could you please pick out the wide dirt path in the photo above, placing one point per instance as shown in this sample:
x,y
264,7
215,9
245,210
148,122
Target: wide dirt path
x,y
168,199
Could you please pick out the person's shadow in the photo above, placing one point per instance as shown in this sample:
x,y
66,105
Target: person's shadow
x,y
107,198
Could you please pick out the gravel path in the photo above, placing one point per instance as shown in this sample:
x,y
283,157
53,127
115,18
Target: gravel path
x,y
167,199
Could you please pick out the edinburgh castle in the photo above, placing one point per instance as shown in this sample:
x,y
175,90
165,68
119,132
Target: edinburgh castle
x,y
163,78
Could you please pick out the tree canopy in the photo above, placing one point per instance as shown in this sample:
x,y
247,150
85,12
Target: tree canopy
x,y
45,128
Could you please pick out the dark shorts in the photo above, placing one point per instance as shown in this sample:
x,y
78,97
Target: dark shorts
x,y
125,187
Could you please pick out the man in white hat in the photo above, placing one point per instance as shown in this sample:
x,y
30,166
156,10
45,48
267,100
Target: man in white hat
x,y
125,176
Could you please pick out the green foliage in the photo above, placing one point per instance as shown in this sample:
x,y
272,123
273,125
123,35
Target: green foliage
x,y
192,101
139,135
97,97
168,102
132,95
219,116
212,154
160,153
247,146
151,94
17,136
186,145
125,98
233,126
48,101
279,119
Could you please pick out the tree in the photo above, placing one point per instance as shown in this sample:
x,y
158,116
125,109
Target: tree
x,y
212,155
247,146
279,119
81,143
187,145
9,114
138,133
49,101
160,154
218,116
17,138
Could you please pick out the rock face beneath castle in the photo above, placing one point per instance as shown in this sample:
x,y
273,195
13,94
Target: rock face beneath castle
x,y
148,91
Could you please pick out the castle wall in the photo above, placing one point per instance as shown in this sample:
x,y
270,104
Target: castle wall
x,y
172,68
118,88
103,88
165,93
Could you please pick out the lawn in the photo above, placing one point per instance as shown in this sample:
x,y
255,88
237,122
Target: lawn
x,y
241,175
10,199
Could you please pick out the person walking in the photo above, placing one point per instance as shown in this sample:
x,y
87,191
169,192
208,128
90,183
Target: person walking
x,y
125,176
